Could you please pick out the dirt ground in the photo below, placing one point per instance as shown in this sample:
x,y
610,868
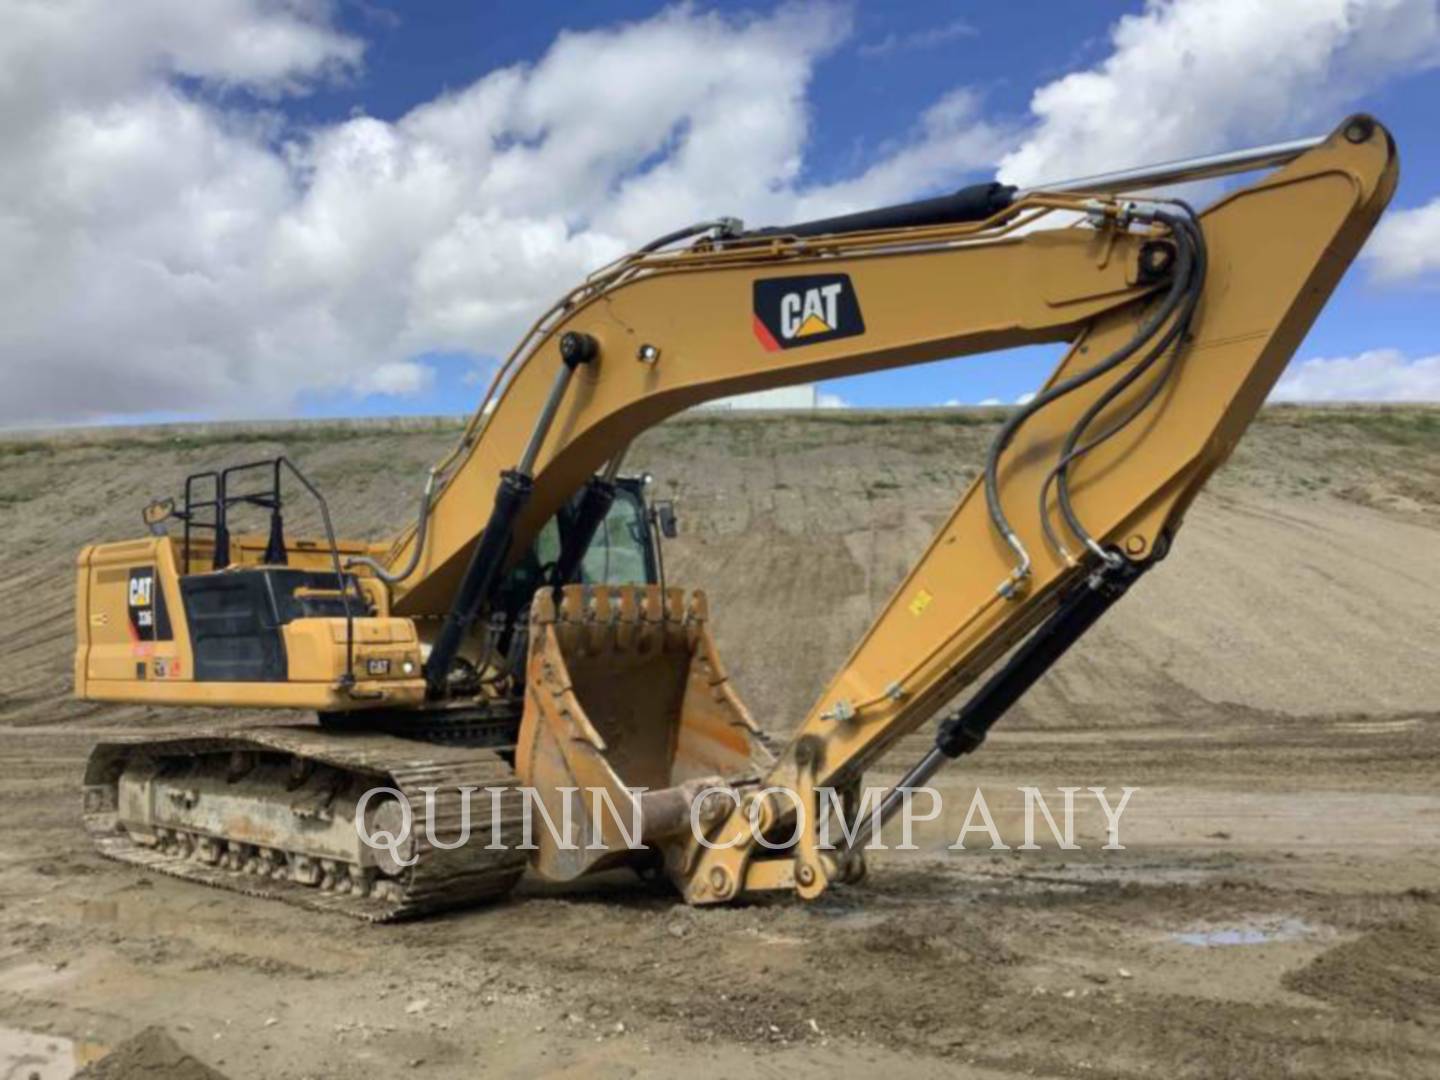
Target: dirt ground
x,y
1271,692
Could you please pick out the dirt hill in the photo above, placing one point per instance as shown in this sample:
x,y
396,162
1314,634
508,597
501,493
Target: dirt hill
x,y
1303,584
1272,911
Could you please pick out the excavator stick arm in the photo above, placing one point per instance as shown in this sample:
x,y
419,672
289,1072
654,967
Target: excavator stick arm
x,y
1275,251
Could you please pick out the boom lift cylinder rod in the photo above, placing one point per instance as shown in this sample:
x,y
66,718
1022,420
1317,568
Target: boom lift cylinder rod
x,y
1185,170
492,549
964,731
612,467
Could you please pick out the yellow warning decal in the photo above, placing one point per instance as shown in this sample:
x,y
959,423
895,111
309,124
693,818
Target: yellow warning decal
x,y
920,601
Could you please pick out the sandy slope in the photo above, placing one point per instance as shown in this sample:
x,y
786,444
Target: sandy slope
x,y
1303,584
1272,693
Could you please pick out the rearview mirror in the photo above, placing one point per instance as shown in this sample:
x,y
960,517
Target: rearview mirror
x,y
156,513
665,519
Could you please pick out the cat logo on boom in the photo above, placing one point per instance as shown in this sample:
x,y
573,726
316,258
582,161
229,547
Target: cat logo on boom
x,y
795,311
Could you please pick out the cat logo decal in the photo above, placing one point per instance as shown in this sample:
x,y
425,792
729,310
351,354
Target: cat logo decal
x,y
794,311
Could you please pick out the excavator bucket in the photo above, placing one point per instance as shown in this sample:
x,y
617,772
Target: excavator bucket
x,y
629,717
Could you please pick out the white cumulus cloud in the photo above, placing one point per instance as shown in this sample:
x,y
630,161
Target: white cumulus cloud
x,y
1406,243
1376,375
171,243
168,243
1186,77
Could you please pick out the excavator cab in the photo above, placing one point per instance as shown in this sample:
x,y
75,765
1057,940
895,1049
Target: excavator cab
x,y
623,549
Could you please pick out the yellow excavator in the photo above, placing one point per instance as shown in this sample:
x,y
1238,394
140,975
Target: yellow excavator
x,y
519,641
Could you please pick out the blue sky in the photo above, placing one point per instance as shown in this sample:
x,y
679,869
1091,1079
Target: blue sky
x,y
901,57
356,214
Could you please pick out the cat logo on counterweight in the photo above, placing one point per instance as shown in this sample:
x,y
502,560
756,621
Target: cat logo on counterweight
x,y
145,605
794,311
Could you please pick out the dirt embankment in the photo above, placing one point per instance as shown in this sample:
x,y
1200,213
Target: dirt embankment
x,y
1302,585
1271,692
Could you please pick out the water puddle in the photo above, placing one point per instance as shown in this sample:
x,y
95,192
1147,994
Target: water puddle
x,y
1144,873
1256,932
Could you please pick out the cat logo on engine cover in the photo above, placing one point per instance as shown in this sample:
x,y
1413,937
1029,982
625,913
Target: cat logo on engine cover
x,y
795,311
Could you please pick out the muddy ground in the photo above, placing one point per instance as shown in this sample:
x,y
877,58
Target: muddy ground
x,y
1272,693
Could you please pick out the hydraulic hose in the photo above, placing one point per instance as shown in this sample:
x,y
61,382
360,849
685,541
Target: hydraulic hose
x,y
1192,263
1173,298
422,524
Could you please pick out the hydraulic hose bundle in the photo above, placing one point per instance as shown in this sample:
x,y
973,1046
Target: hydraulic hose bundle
x,y
1164,332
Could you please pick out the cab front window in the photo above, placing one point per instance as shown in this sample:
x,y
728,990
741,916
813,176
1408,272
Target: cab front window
x,y
618,554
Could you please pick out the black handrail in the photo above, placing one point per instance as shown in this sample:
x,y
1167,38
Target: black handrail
x,y
349,679
270,500
266,500
187,515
